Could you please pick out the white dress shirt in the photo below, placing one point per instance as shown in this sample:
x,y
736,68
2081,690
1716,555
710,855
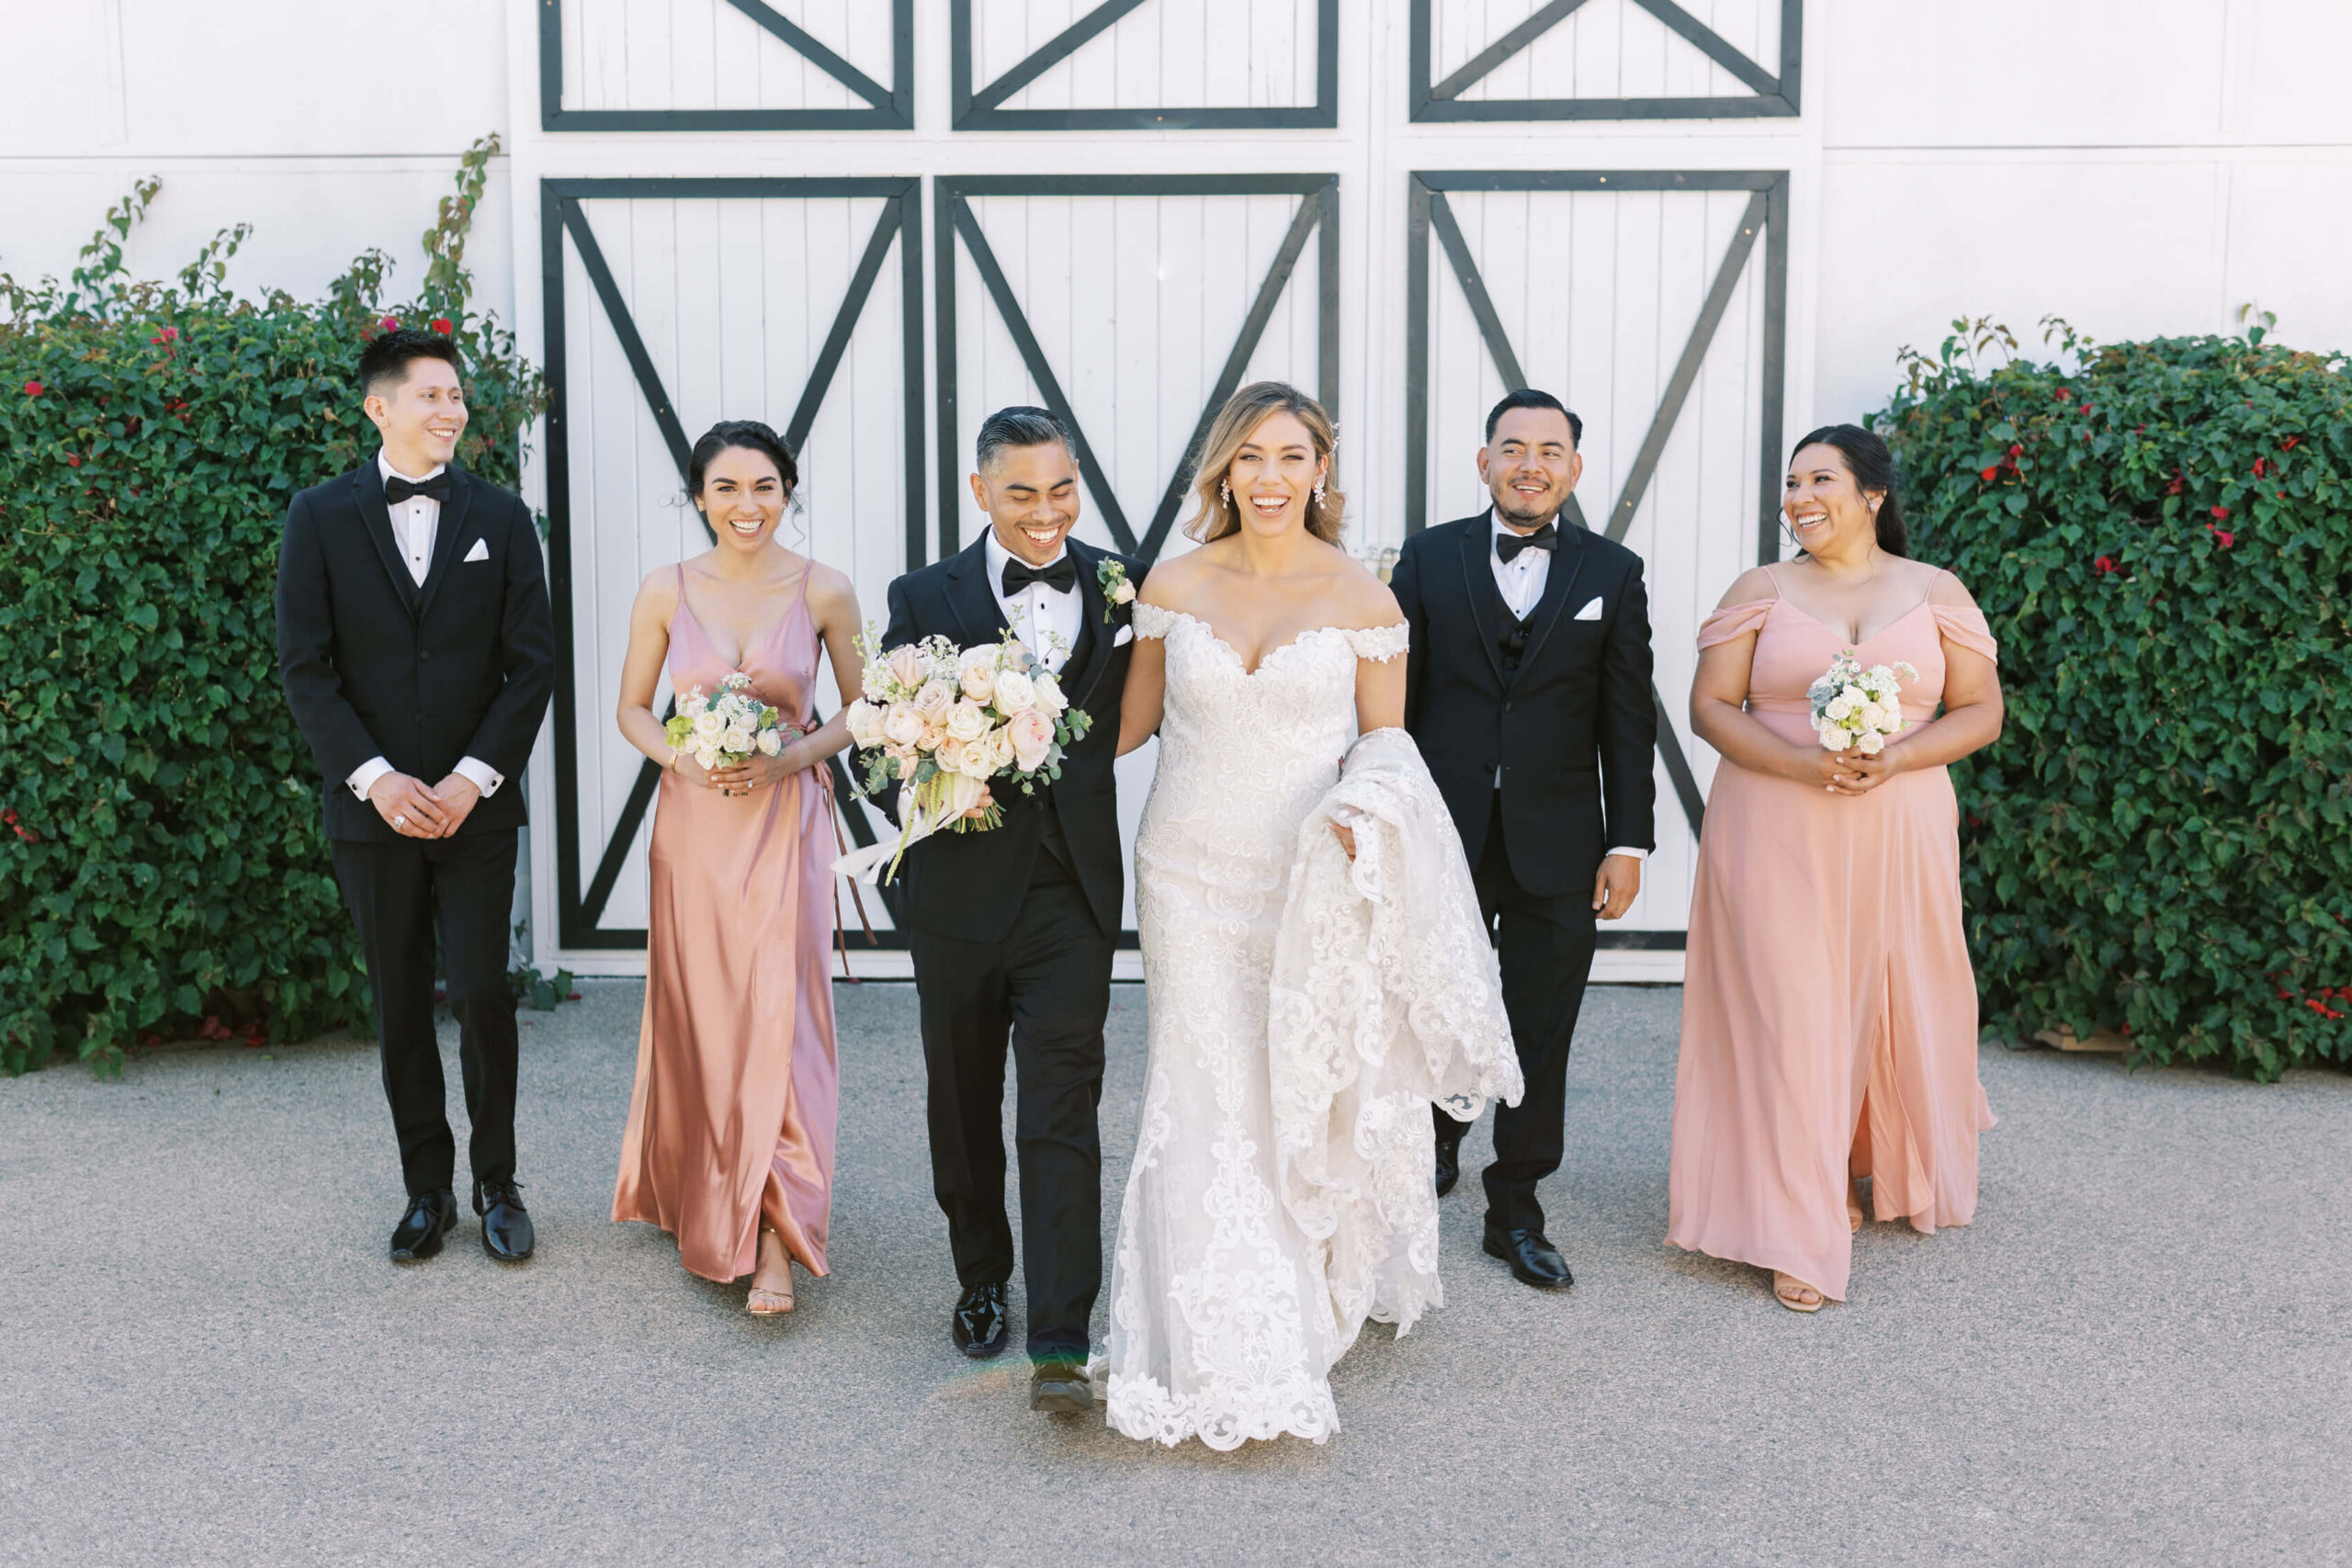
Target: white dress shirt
x,y
1047,619
415,521
1521,580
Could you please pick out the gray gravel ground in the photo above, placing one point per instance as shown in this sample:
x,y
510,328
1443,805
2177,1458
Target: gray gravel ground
x,y
2140,1352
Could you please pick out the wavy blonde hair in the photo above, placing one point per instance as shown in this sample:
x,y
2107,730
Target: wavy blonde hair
x,y
1240,417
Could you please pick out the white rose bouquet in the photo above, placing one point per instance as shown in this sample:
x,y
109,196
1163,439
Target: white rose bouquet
x,y
1856,709
941,723
721,731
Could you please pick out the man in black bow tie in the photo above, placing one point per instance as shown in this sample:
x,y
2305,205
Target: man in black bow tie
x,y
1012,930
418,653
1528,690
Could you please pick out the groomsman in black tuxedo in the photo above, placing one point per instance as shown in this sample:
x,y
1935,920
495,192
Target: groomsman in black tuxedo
x,y
417,650
1012,930
1529,693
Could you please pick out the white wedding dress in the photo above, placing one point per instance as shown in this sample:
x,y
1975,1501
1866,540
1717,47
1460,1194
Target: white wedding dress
x,y
1304,1011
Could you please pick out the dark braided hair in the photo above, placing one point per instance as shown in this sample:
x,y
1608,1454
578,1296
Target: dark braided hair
x,y
1873,467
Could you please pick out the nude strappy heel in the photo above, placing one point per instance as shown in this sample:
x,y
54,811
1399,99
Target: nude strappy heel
x,y
765,1303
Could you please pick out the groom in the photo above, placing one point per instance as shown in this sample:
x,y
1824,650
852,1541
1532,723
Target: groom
x,y
1528,690
1011,929
417,652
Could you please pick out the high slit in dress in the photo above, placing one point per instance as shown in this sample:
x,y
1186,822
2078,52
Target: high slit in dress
x,y
731,1126
1828,1007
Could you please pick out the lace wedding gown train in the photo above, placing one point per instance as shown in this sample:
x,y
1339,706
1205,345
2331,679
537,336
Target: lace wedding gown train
x,y
1304,1011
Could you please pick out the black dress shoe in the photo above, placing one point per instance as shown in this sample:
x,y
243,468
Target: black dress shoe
x,y
1533,1260
978,1325
506,1233
1060,1388
431,1216
1449,1164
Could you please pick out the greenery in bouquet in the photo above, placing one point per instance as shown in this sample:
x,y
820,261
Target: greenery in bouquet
x,y
725,730
162,864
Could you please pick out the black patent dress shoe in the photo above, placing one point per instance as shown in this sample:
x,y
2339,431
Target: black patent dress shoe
x,y
1533,1259
1449,1165
978,1325
431,1216
1060,1388
506,1233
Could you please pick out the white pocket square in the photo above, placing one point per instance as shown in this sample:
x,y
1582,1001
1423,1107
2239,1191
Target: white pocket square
x,y
1127,634
1591,612
481,552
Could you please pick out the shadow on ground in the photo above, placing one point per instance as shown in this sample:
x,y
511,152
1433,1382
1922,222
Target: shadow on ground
x,y
2140,1352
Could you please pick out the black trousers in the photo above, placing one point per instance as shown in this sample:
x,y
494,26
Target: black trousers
x,y
1048,984
1545,947
400,894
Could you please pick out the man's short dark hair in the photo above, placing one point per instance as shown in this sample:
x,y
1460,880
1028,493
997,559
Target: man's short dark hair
x,y
1529,398
388,355
1020,425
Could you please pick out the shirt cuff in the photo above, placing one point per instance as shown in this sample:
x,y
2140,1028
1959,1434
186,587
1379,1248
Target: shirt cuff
x,y
1637,855
362,777
485,778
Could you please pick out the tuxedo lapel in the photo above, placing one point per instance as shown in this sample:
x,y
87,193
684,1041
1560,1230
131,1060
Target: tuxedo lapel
x,y
1567,560
446,535
978,617
1478,583
1094,635
367,494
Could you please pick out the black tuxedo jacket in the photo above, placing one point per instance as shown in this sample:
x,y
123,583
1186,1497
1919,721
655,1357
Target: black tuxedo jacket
x,y
970,886
375,665
1573,730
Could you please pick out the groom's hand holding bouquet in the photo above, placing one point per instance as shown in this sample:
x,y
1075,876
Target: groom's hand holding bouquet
x,y
941,723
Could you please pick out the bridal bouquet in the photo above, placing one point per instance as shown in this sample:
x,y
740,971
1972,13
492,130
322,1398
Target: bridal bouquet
x,y
943,722
1856,709
721,731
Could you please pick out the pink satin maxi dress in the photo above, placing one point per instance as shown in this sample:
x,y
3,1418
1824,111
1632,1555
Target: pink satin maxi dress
x,y
730,1127
1828,1007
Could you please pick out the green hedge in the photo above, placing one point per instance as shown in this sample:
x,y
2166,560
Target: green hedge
x,y
162,869
2161,843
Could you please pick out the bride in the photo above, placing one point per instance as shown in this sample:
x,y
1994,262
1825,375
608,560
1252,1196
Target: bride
x,y
1316,972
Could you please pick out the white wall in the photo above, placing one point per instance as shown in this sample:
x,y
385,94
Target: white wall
x,y
2137,166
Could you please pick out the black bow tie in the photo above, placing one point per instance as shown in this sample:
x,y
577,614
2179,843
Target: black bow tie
x,y
1061,577
1508,544
397,489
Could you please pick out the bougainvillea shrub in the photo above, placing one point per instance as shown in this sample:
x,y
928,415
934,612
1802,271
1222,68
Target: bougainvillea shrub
x,y
161,870
2161,842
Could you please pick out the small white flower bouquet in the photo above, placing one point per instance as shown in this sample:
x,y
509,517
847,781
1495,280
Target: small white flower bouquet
x,y
941,722
721,731
1856,709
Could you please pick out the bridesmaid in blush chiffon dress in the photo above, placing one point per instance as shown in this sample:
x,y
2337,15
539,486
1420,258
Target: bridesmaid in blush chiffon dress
x,y
1829,1011
729,1143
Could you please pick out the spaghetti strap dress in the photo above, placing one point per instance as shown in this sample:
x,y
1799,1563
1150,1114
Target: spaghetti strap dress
x,y
730,1125
1828,1006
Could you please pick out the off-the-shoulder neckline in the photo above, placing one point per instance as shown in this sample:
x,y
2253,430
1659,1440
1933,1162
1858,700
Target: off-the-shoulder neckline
x,y
1247,668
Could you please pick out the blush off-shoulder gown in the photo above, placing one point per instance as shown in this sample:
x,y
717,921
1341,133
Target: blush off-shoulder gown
x,y
730,1127
1828,1008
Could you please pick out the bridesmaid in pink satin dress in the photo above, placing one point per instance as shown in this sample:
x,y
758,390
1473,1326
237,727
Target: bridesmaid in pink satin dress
x,y
1828,1007
729,1143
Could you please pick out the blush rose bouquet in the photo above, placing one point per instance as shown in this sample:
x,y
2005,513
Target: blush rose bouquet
x,y
942,724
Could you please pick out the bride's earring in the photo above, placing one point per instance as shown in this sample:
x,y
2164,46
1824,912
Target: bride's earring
x,y
1225,492
1319,492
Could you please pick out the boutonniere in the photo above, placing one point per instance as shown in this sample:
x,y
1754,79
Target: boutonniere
x,y
1116,590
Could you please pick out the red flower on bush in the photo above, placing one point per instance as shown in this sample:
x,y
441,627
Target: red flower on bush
x,y
2062,395
10,816
2260,464
2222,513
2222,536
2104,565
74,459
1991,473
34,389
2179,483
2290,443
166,335
390,323
441,325
2016,452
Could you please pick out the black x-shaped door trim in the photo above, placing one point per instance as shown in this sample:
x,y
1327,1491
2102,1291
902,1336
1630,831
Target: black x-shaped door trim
x,y
1773,96
1766,217
887,108
1318,214
982,108
579,910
